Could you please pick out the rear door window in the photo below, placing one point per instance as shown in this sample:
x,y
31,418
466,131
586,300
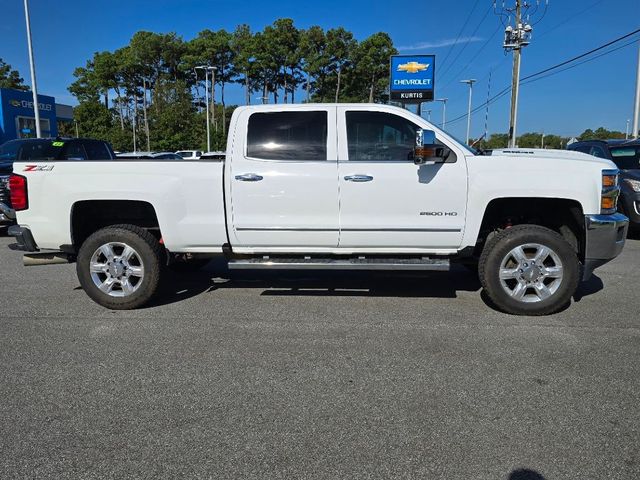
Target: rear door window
x,y
598,152
96,150
626,158
296,136
40,150
75,151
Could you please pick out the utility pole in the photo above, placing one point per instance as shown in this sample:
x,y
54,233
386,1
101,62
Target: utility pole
x,y
134,130
516,37
469,82
32,66
636,110
206,100
444,111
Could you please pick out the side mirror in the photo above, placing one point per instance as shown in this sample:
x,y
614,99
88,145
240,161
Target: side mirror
x,y
427,151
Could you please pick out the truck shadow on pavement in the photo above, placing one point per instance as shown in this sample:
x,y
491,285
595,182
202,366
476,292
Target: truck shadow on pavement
x,y
180,286
525,474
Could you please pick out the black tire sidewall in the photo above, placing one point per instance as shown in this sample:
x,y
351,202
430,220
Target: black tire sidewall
x,y
143,243
509,239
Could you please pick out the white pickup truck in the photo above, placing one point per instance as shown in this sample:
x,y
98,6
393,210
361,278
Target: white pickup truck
x,y
328,186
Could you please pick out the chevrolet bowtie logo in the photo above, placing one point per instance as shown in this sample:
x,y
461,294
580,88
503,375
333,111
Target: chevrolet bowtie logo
x,y
412,67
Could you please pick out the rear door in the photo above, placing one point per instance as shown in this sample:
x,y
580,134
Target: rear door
x,y
282,179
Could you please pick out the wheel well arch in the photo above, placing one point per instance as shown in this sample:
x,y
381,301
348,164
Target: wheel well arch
x,y
563,215
88,216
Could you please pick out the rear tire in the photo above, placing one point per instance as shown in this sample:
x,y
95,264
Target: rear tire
x,y
119,266
529,270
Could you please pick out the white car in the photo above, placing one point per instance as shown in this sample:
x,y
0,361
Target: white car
x,y
329,186
190,154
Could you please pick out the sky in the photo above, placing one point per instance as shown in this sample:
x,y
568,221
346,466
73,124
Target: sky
x,y
66,33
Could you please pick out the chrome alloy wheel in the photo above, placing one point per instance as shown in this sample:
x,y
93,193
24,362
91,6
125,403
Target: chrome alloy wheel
x,y
116,269
531,273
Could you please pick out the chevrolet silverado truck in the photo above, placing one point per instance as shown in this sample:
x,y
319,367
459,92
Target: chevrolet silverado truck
x,y
335,186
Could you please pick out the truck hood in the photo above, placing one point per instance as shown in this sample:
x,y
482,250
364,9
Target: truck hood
x,y
633,174
533,153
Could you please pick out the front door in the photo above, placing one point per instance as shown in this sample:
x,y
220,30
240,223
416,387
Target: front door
x,y
386,201
283,181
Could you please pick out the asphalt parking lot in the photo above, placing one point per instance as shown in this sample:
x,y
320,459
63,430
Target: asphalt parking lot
x,y
317,376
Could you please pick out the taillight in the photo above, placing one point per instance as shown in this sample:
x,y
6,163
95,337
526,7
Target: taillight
x,y
18,191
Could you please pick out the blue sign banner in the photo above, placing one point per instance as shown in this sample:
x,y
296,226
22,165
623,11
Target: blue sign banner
x,y
412,78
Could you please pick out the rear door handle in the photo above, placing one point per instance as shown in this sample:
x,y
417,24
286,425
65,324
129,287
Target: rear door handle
x,y
358,178
249,177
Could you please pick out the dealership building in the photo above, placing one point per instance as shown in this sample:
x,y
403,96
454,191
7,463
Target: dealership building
x,y
17,117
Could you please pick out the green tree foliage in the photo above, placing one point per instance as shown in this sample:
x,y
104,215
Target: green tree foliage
x,y
153,79
600,134
173,123
10,78
526,140
370,79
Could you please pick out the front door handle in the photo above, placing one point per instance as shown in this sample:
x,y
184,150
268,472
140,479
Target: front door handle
x,y
358,178
249,177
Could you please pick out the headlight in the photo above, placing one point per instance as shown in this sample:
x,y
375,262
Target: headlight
x,y
610,192
609,179
633,184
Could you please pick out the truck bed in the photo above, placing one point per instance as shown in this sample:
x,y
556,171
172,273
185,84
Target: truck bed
x,y
187,198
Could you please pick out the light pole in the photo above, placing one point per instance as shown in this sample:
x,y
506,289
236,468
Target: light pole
x,y
444,111
206,99
636,109
469,82
32,65
135,147
626,134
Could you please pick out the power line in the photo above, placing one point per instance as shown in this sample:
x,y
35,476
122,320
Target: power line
x,y
466,43
464,25
582,62
474,56
546,32
534,76
572,17
582,55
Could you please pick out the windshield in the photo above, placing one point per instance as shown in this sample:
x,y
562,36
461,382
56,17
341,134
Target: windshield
x,y
464,144
626,158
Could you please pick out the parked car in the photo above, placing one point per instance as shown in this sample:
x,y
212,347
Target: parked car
x,y
148,156
626,155
48,149
213,156
329,186
190,154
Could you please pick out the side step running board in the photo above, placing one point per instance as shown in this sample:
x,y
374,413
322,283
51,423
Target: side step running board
x,y
375,263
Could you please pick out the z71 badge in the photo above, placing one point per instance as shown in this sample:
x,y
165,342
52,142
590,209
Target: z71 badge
x,y
38,168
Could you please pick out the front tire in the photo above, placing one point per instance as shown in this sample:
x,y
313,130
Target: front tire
x,y
119,266
529,270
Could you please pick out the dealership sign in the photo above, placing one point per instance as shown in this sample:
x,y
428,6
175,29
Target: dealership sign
x,y
412,78
47,107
